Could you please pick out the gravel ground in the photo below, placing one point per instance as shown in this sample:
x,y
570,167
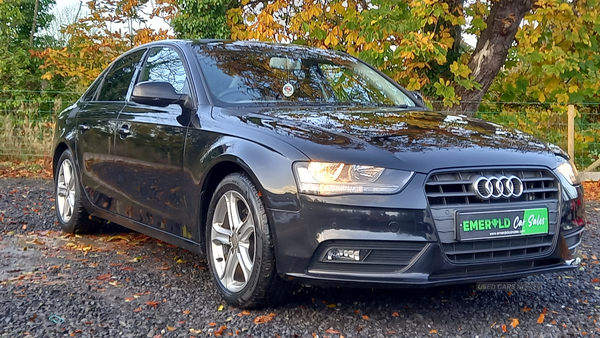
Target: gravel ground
x,y
122,284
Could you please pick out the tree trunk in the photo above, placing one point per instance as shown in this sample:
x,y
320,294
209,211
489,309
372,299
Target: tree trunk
x,y
491,50
34,24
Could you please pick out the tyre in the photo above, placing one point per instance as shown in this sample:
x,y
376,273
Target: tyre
x,y
68,195
240,248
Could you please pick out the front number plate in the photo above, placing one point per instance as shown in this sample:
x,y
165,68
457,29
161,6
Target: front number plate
x,y
486,225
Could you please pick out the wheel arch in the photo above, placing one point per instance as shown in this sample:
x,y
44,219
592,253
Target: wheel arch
x,y
60,148
225,166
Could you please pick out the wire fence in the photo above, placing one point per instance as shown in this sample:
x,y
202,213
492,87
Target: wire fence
x,y
27,123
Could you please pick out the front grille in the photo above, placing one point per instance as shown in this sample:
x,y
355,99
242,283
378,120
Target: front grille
x,y
493,269
455,188
382,257
497,249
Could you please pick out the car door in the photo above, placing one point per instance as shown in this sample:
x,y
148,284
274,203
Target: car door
x,y
96,123
149,149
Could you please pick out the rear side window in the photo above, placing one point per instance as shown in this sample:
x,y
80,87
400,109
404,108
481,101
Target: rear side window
x,y
165,65
117,80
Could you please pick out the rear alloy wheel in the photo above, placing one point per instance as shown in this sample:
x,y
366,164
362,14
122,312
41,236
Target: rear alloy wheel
x,y
71,214
239,246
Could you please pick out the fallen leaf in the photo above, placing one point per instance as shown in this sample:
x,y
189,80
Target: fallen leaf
x,y
331,305
220,308
137,310
264,319
541,318
194,331
104,277
180,261
171,328
365,317
395,314
332,331
526,309
503,328
162,268
212,324
186,312
595,280
509,293
219,332
127,268
153,304
514,323
433,331
553,322
244,313
129,299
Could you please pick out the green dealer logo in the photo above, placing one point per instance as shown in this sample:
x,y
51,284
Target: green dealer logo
x,y
528,222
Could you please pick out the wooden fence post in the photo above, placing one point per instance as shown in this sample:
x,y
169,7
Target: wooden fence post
x,y
571,132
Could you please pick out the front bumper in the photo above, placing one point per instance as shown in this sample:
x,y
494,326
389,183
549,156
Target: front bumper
x,y
405,248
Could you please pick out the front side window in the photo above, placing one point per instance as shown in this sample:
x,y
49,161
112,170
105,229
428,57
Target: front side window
x,y
117,80
296,75
165,65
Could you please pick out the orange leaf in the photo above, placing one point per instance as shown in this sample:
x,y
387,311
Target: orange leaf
x,y
395,314
514,322
595,280
171,328
186,312
433,331
212,324
129,299
153,304
104,277
365,317
541,318
137,310
503,328
127,268
332,331
264,319
219,332
162,268
526,309
244,313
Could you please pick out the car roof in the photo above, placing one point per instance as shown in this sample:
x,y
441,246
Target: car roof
x,y
244,44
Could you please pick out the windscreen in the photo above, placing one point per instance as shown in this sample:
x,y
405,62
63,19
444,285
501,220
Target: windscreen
x,y
236,75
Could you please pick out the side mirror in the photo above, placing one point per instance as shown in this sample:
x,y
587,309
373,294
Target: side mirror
x,y
159,94
418,97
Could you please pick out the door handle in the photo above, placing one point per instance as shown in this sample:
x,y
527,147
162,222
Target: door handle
x,y
84,127
124,131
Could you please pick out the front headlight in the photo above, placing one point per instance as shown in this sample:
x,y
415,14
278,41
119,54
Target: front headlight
x,y
325,178
568,171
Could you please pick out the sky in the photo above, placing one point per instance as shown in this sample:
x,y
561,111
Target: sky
x,y
155,23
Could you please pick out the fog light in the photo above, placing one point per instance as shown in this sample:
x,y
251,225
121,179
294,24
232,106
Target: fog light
x,y
345,254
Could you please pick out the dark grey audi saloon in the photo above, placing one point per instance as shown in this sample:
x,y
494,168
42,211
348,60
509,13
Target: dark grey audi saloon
x,y
286,164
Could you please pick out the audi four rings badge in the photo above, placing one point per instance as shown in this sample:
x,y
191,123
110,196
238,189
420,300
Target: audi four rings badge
x,y
496,187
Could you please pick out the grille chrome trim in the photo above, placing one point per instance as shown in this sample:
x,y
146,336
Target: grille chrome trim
x,y
456,187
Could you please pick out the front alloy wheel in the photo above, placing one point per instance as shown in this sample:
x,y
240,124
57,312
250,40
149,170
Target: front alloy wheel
x,y
233,241
240,247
